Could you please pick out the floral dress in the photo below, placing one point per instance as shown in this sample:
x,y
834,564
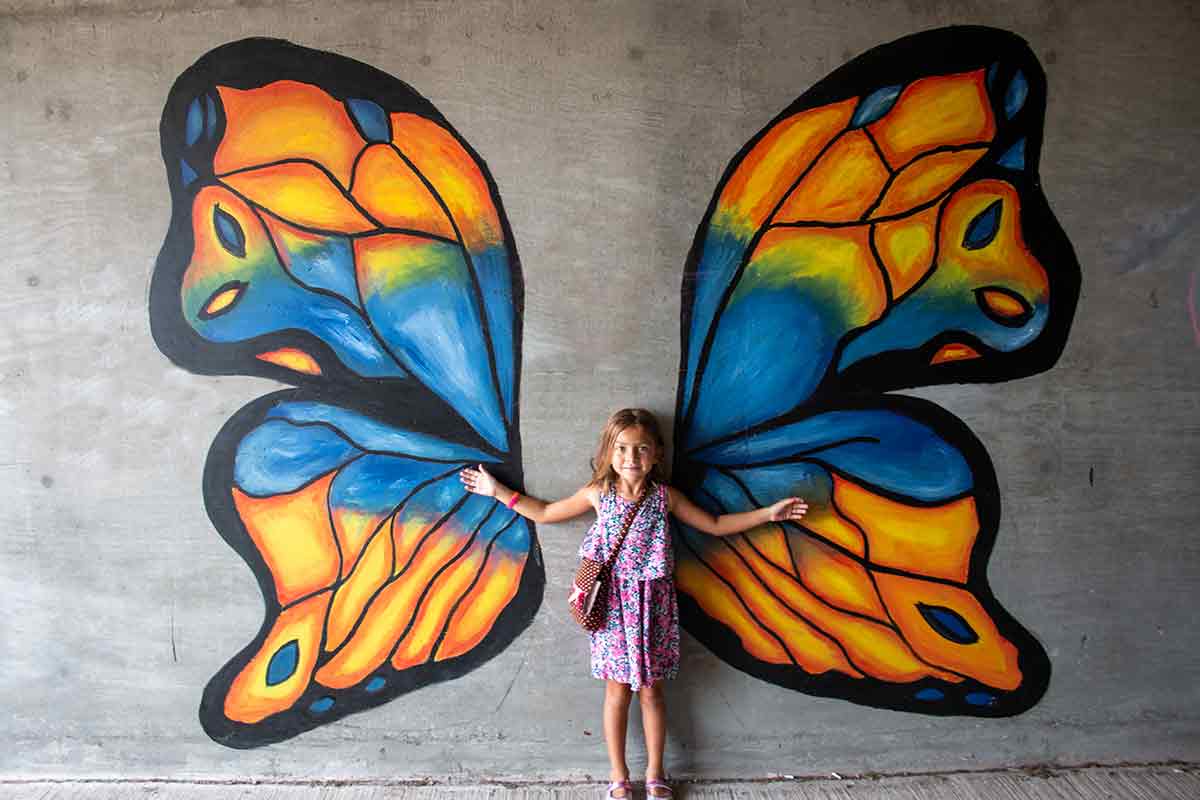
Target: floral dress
x,y
639,643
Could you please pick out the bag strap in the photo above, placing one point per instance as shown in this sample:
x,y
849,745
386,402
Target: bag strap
x,y
629,518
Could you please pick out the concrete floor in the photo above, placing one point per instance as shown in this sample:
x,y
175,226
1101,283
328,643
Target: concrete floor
x,y
1160,782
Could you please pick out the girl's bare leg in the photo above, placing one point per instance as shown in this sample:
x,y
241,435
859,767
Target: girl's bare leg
x,y
616,721
654,724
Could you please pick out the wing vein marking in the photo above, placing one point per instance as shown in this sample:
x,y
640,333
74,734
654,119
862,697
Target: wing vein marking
x,y
882,158
476,289
412,620
332,179
388,522
437,645
301,487
749,613
706,345
367,450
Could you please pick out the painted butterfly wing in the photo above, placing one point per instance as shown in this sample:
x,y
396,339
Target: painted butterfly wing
x,y
887,230
330,229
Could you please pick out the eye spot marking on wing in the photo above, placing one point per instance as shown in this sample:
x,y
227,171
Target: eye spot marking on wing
x,y
948,624
321,705
1004,306
982,229
283,664
229,232
292,358
223,299
375,684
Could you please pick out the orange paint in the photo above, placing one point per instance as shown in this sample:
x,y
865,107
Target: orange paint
x,y
352,596
292,533
293,359
286,120
301,194
444,592
926,179
392,193
906,248
935,112
929,540
840,187
954,352
475,616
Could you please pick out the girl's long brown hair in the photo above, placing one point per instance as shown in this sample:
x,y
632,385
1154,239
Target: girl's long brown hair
x,y
602,471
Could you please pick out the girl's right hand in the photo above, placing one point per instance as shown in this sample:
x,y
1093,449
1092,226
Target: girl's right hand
x,y
478,480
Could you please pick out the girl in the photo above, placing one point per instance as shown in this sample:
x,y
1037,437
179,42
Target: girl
x,y
639,645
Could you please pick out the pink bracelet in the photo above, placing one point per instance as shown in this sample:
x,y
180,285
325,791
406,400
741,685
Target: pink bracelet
x,y
512,503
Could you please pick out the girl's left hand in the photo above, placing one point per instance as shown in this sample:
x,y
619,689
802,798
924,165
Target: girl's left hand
x,y
791,508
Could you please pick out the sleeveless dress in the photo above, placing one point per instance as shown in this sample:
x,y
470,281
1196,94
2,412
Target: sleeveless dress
x,y
639,643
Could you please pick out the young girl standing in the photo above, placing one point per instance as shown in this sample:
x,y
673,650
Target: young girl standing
x,y
638,647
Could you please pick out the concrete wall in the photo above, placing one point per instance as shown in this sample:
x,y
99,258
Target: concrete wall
x,y
606,127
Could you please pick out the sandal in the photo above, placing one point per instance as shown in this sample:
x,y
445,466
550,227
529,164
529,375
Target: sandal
x,y
665,789
617,786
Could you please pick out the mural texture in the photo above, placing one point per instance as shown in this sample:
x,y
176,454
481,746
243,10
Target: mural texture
x,y
887,230
331,230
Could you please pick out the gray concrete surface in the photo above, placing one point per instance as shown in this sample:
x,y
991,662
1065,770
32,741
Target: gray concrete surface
x,y
606,126
1131,783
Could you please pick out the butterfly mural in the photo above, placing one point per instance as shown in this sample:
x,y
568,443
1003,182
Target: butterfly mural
x,y
887,230
331,230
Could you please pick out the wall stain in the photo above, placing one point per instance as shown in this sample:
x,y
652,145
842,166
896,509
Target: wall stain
x,y
47,481
636,53
33,281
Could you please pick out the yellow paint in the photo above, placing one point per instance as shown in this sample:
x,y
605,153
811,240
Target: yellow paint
x,y
286,120
388,616
408,529
721,604
292,533
391,261
840,187
906,248
301,194
211,266
992,660
839,259
250,699
813,651
767,172
351,597
454,175
925,179
222,301
393,194
293,359
924,540
353,529
833,527
444,592
836,578
1002,304
955,351
771,541
934,112
478,611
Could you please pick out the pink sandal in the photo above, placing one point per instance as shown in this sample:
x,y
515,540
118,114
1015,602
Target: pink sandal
x,y
616,786
652,784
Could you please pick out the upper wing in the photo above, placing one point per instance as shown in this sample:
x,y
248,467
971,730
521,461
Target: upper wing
x,y
887,230
330,229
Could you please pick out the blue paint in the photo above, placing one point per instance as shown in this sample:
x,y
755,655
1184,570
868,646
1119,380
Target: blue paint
x,y
186,172
375,684
370,434
283,664
210,117
993,70
930,695
901,455
948,624
875,105
1014,157
229,232
371,120
982,230
1014,98
495,284
278,457
194,125
321,705
980,698
327,264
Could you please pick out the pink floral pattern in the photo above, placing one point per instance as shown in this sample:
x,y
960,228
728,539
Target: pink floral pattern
x,y
639,643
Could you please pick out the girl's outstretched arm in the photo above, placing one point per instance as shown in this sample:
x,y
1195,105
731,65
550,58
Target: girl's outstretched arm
x,y
480,481
789,509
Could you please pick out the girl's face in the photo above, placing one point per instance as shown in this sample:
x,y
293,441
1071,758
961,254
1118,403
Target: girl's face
x,y
634,453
